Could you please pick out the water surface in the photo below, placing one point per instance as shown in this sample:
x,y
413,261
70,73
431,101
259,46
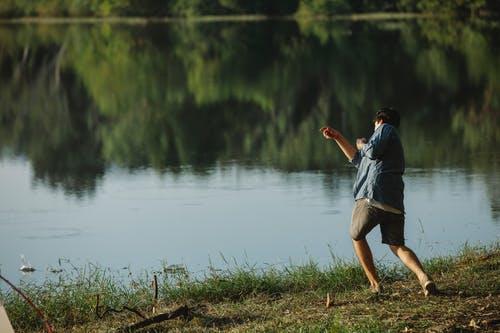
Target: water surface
x,y
141,146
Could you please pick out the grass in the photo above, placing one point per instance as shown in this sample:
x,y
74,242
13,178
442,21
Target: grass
x,y
290,299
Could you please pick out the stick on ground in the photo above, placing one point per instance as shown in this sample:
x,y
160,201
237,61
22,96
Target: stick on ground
x,y
182,311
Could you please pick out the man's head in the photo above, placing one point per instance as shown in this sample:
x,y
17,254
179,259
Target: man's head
x,y
387,116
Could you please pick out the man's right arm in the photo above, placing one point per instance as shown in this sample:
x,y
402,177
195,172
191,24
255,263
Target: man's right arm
x,y
332,134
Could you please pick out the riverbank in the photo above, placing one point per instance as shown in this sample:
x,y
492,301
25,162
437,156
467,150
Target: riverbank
x,y
303,298
217,18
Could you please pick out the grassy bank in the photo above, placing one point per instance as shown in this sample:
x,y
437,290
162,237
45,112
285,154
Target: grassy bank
x,y
291,299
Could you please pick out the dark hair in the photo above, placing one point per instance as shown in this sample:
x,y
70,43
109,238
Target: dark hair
x,y
388,115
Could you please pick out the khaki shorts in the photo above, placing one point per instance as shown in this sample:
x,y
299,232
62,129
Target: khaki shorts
x,y
365,217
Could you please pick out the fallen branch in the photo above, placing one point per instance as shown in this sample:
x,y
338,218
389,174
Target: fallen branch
x,y
182,311
109,309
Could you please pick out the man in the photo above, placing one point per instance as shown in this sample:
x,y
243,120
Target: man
x,y
378,192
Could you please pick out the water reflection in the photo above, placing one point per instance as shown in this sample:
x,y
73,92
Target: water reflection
x,y
165,96
82,103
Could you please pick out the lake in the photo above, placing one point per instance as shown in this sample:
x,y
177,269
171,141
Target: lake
x,y
140,146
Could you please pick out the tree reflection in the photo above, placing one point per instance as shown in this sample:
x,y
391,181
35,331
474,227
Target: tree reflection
x,y
78,98
47,116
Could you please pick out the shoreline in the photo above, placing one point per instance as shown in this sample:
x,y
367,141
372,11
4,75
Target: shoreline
x,y
137,20
307,298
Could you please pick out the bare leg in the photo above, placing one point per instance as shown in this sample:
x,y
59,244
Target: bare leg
x,y
410,260
365,257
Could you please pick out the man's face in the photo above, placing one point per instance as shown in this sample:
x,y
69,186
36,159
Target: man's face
x,y
378,123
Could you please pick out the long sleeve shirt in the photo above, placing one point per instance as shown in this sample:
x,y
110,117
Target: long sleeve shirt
x,y
381,165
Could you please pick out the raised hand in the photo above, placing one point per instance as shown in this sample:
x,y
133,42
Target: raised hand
x,y
330,133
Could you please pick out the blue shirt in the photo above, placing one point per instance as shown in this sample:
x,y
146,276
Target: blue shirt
x,y
381,165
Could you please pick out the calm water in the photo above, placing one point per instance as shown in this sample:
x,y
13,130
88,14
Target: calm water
x,y
147,145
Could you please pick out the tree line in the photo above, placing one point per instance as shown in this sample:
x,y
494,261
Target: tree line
x,y
189,8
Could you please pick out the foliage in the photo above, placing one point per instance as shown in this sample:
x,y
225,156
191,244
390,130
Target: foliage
x,y
327,7
104,8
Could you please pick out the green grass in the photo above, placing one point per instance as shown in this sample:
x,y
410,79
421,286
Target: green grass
x,y
70,300
237,283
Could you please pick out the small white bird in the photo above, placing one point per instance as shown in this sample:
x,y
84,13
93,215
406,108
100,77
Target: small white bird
x,y
26,266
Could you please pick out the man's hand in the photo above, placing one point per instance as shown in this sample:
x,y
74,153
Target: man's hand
x,y
330,133
360,142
